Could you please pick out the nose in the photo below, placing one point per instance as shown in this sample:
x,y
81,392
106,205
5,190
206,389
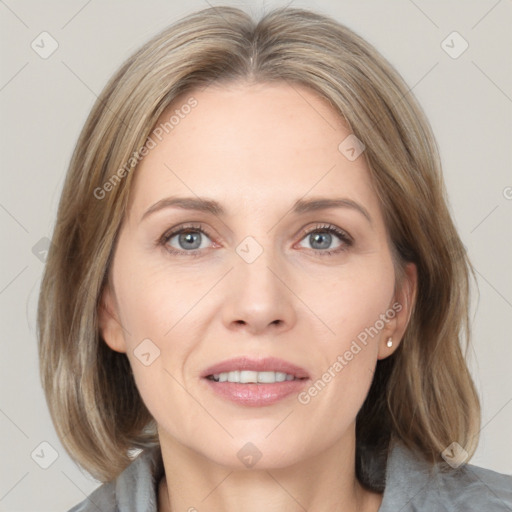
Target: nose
x,y
259,298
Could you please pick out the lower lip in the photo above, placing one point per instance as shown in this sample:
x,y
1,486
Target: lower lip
x,y
256,395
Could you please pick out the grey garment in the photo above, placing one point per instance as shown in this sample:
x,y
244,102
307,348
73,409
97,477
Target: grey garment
x,y
412,485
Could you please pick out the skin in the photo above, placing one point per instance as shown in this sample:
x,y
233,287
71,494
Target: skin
x,y
256,149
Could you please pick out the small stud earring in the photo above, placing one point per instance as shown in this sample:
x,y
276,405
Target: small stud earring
x,y
390,342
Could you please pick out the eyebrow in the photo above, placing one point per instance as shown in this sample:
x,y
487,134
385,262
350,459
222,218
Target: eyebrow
x,y
300,206
312,205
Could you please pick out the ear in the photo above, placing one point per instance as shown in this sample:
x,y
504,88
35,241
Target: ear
x,y
108,320
403,305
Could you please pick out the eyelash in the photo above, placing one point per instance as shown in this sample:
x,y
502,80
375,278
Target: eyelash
x,y
319,228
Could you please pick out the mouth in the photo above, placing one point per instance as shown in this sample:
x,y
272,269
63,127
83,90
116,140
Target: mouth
x,y
255,382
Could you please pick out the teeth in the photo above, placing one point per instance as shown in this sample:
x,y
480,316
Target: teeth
x,y
234,376
247,376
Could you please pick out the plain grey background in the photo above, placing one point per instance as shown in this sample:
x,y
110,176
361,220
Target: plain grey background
x,y
44,103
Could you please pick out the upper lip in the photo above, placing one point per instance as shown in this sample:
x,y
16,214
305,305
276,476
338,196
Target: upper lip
x,y
267,364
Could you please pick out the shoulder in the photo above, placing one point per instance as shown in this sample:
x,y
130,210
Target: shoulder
x,y
134,490
476,488
413,485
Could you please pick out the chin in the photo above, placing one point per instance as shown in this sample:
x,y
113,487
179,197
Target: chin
x,y
254,452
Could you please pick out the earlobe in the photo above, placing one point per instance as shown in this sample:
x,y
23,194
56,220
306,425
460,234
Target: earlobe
x,y
387,346
108,322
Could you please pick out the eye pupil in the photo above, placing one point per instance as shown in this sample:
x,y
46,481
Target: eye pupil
x,y
190,240
322,239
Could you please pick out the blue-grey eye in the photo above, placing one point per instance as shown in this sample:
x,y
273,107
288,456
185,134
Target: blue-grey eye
x,y
322,239
189,240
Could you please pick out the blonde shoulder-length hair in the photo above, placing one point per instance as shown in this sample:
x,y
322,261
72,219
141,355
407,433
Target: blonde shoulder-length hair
x,y
423,394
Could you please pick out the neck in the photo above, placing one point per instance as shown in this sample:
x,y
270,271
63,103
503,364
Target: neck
x,y
325,482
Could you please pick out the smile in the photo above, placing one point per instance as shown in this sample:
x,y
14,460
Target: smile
x,y
255,382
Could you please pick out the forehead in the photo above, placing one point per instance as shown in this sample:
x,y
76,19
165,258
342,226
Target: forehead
x,y
268,144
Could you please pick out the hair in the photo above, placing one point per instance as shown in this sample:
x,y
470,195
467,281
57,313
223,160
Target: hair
x,y
423,394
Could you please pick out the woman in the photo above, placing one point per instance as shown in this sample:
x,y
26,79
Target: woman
x,y
256,281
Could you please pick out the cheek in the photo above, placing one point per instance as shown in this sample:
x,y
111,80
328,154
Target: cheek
x,y
155,313
356,308
157,309
152,298
352,301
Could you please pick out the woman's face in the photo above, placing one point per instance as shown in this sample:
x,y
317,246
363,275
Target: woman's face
x,y
266,276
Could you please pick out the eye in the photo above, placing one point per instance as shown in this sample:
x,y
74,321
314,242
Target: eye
x,y
190,240
186,239
321,239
